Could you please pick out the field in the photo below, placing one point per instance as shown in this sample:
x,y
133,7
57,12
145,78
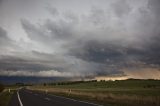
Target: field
x,y
5,95
110,93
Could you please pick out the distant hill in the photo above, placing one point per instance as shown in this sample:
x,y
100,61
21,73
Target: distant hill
x,y
13,80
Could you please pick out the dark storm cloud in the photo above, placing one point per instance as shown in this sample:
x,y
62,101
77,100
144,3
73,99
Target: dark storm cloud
x,y
13,63
5,41
102,40
121,8
105,48
154,5
49,32
99,52
2,33
27,66
33,32
152,53
52,10
109,53
97,16
60,30
1,2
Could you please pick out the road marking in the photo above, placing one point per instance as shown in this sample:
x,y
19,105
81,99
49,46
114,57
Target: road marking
x,y
47,99
76,100
19,99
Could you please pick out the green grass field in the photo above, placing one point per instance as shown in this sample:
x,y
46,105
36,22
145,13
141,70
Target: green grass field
x,y
116,93
5,95
5,98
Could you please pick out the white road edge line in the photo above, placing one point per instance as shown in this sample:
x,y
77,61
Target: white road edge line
x,y
76,100
19,99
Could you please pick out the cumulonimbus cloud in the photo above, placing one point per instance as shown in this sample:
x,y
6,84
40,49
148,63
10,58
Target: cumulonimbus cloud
x,y
45,73
102,40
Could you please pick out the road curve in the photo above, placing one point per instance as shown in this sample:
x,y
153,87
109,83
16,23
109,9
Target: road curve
x,y
26,97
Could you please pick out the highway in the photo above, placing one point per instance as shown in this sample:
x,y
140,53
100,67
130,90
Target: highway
x,y
26,97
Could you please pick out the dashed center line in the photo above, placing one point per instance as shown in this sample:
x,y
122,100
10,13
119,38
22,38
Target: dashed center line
x,y
76,100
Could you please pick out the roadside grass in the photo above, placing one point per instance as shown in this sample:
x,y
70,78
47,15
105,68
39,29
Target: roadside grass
x,y
107,98
111,93
5,97
114,100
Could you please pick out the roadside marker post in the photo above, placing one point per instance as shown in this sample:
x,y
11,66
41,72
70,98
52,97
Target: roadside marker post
x,y
69,92
46,91
9,90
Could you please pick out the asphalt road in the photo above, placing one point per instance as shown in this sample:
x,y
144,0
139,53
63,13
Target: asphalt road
x,y
25,97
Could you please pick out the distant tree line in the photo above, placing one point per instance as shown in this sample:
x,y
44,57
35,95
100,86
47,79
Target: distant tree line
x,y
90,81
69,82
22,84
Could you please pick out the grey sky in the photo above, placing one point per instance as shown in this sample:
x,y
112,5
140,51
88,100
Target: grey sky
x,y
84,38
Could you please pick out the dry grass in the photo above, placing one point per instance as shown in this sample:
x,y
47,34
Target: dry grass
x,y
105,98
